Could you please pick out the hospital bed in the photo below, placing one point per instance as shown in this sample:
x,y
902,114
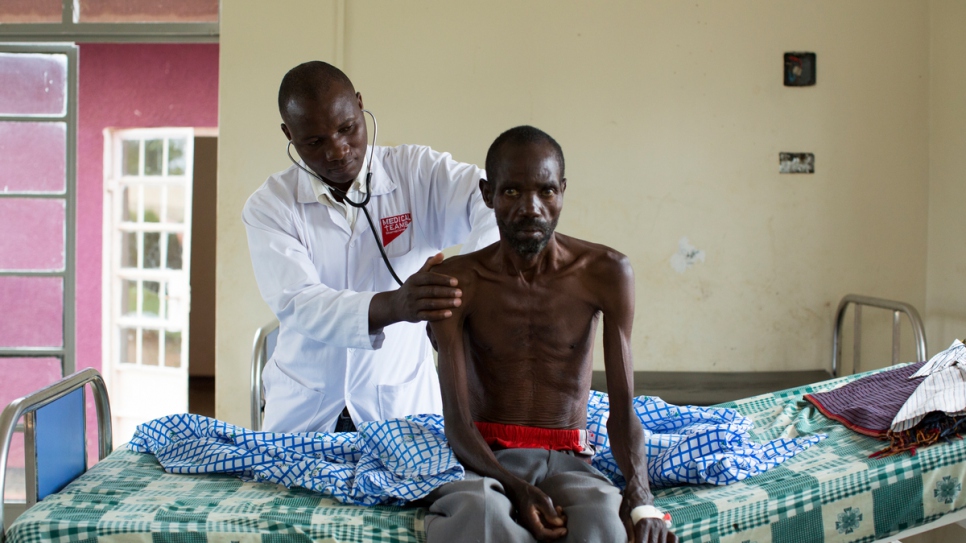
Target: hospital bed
x,y
831,492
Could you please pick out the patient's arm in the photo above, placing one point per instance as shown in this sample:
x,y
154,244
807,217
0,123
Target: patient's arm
x,y
535,510
615,280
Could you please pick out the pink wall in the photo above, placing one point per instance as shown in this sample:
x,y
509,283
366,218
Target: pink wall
x,y
120,86
128,86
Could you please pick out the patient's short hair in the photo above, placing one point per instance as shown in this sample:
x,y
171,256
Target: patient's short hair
x,y
520,135
308,80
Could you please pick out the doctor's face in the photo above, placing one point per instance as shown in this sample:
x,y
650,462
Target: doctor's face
x,y
329,133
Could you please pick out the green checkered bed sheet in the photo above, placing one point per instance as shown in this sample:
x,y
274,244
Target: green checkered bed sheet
x,y
831,492
128,497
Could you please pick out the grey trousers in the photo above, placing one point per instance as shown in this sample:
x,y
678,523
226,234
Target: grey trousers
x,y
476,509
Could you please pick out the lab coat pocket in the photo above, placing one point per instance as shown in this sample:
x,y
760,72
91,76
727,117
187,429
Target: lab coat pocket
x,y
289,406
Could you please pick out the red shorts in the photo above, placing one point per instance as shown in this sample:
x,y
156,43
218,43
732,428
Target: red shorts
x,y
511,436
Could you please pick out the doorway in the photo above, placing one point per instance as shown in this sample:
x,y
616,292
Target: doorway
x,y
201,326
158,287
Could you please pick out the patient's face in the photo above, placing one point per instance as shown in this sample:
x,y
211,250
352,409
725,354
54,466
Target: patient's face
x,y
527,196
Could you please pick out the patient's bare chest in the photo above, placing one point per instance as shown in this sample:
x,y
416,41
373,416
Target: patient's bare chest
x,y
552,321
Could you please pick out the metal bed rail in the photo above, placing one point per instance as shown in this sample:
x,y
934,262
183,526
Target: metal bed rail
x,y
897,308
262,350
27,407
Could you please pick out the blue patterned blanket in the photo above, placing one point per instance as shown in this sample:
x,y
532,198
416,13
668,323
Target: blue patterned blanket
x,y
401,460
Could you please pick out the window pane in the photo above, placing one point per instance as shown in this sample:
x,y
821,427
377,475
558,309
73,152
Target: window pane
x,y
149,349
129,203
165,304
130,155
31,11
32,234
152,304
128,346
33,311
129,250
152,250
172,349
149,11
129,297
176,156
174,252
152,204
22,376
33,84
16,487
177,292
33,157
175,204
153,156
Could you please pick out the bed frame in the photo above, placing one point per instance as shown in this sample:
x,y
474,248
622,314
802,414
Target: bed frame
x,y
264,345
897,308
55,441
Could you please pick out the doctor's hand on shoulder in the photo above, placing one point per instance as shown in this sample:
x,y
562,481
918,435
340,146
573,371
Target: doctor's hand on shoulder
x,y
425,296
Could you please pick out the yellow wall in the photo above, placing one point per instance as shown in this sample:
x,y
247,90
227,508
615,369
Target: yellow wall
x,y
259,42
671,116
946,285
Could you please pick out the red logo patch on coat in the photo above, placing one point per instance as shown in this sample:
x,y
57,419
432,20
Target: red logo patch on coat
x,y
393,226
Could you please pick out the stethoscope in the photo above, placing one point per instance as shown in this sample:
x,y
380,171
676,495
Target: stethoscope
x,y
345,197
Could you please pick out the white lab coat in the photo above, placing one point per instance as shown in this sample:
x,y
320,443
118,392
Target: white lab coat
x,y
318,275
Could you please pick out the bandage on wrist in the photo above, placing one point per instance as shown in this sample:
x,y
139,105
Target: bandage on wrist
x,y
649,511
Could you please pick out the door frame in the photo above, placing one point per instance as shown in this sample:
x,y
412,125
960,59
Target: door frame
x,y
123,401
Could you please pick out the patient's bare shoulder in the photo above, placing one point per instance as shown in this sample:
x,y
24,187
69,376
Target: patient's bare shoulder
x,y
457,266
599,262
465,268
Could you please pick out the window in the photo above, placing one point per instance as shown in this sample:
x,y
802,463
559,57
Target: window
x,y
37,147
148,240
109,20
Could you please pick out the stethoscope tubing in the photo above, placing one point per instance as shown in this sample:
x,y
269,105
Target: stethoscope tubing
x,y
345,196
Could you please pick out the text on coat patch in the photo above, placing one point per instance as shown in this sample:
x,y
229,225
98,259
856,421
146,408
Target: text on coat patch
x,y
393,226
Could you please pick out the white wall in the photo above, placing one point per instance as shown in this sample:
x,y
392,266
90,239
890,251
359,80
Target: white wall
x,y
946,291
259,42
671,116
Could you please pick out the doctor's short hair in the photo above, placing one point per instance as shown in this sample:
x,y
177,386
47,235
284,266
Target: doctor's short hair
x,y
520,135
308,80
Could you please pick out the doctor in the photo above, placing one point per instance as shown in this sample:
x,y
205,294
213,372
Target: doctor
x,y
351,343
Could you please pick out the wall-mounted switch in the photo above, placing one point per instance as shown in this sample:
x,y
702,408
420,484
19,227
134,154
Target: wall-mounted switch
x,y
799,69
796,163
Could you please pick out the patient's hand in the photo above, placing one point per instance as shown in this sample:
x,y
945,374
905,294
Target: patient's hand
x,y
651,530
536,513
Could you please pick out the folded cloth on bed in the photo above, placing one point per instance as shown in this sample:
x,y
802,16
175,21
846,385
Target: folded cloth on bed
x,y
688,444
389,462
850,405
943,389
400,460
936,410
911,406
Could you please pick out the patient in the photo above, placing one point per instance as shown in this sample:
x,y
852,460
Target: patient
x,y
515,363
